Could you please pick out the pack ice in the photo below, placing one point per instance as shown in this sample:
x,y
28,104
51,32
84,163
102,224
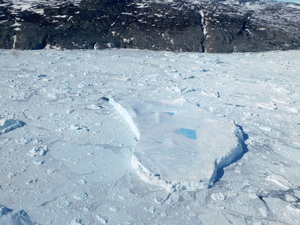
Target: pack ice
x,y
71,161
180,146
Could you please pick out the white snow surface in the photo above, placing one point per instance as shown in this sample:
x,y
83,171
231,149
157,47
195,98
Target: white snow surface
x,y
70,161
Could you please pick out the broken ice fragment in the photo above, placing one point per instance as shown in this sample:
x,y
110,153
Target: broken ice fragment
x,y
78,127
38,151
19,218
102,219
152,209
22,217
77,222
7,125
63,204
32,181
218,196
105,99
4,210
12,174
38,162
23,141
80,196
41,75
93,106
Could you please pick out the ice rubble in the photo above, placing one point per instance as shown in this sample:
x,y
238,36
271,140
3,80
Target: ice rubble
x,y
180,146
87,175
7,125
9,217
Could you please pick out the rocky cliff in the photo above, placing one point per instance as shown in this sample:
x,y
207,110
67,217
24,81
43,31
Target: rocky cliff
x,y
201,26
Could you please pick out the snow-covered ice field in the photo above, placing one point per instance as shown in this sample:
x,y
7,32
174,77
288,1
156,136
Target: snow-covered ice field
x,y
73,127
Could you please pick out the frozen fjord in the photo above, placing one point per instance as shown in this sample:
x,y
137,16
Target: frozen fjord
x,y
70,162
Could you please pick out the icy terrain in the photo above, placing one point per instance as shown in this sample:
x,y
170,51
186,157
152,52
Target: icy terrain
x,y
180,146
66,148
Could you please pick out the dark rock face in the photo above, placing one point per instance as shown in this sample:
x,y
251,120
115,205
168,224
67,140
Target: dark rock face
x,y
178,26
118,24
236,32
6,30
32,33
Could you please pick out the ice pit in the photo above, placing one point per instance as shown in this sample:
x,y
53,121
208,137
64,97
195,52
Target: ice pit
x,y
180,146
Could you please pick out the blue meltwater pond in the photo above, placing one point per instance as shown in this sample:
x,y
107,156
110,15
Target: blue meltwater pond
x,y
189,133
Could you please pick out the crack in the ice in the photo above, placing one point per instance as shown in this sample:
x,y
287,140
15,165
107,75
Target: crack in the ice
x,y
47,202
261,198
166,199
28,97
219,169
282,195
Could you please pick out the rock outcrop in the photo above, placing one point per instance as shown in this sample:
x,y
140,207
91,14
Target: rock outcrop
x,y
154,25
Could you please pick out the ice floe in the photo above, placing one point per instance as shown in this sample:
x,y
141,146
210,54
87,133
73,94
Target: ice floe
x,y
180,146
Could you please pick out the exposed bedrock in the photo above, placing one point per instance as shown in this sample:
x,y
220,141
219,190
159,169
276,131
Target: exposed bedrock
x,y
177,26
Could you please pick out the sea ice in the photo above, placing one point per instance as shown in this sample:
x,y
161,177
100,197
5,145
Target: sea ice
x,y
263,187
180,146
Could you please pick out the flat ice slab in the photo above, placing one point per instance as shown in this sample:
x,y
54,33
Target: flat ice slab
x,y
181,146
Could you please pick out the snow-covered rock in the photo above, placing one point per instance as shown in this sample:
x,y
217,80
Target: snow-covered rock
x,y
193,26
